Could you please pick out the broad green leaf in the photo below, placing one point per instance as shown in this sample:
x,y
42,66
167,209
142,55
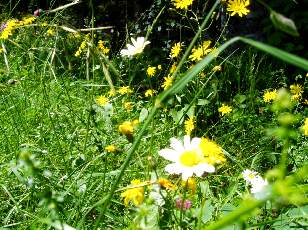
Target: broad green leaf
x,y
207,211
143,114
283,23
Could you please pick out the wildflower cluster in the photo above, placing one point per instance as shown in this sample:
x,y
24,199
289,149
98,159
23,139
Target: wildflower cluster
x,y
102,46
7,28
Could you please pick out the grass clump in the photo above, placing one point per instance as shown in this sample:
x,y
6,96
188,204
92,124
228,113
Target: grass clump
x,y
194,137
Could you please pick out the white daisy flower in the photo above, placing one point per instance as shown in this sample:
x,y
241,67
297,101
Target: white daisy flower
x,y
135,48
259,186
187,158
249,175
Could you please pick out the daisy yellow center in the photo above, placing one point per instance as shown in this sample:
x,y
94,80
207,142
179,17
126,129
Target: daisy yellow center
x,y
190,158
251,176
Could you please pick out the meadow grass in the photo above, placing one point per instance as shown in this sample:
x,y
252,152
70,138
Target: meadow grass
x,y
66,161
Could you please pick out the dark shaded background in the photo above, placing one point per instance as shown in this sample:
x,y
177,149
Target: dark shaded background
x,y
136,15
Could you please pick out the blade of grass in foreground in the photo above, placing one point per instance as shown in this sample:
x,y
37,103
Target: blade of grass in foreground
x,y
179,85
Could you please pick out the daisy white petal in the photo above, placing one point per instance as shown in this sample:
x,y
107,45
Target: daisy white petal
x,y
169,154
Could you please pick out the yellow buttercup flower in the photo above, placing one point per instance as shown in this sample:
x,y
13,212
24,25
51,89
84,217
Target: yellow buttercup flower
x,y
189,125
151,71
166,184
225,109
101,100
269,96
135,194
159,67
182,4
238,7
175,50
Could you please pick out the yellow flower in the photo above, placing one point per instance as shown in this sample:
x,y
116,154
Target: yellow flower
x,y
199,52
269,96
172,68
50,32
125,90
149,93
305,127
126,128
81,48
190,184
212,152
238,7
8,30
136,122
216,68
296,97
159,67
44,24
225,109
136,194
151,71
111,148
28,20
182,4
112,93
189,125
175,50
166,184
102,47
167,82
128,105
101,100
296,89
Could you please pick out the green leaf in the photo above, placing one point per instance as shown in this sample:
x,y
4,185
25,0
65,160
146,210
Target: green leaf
x,y
207,211
283,23
143,114
203,102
